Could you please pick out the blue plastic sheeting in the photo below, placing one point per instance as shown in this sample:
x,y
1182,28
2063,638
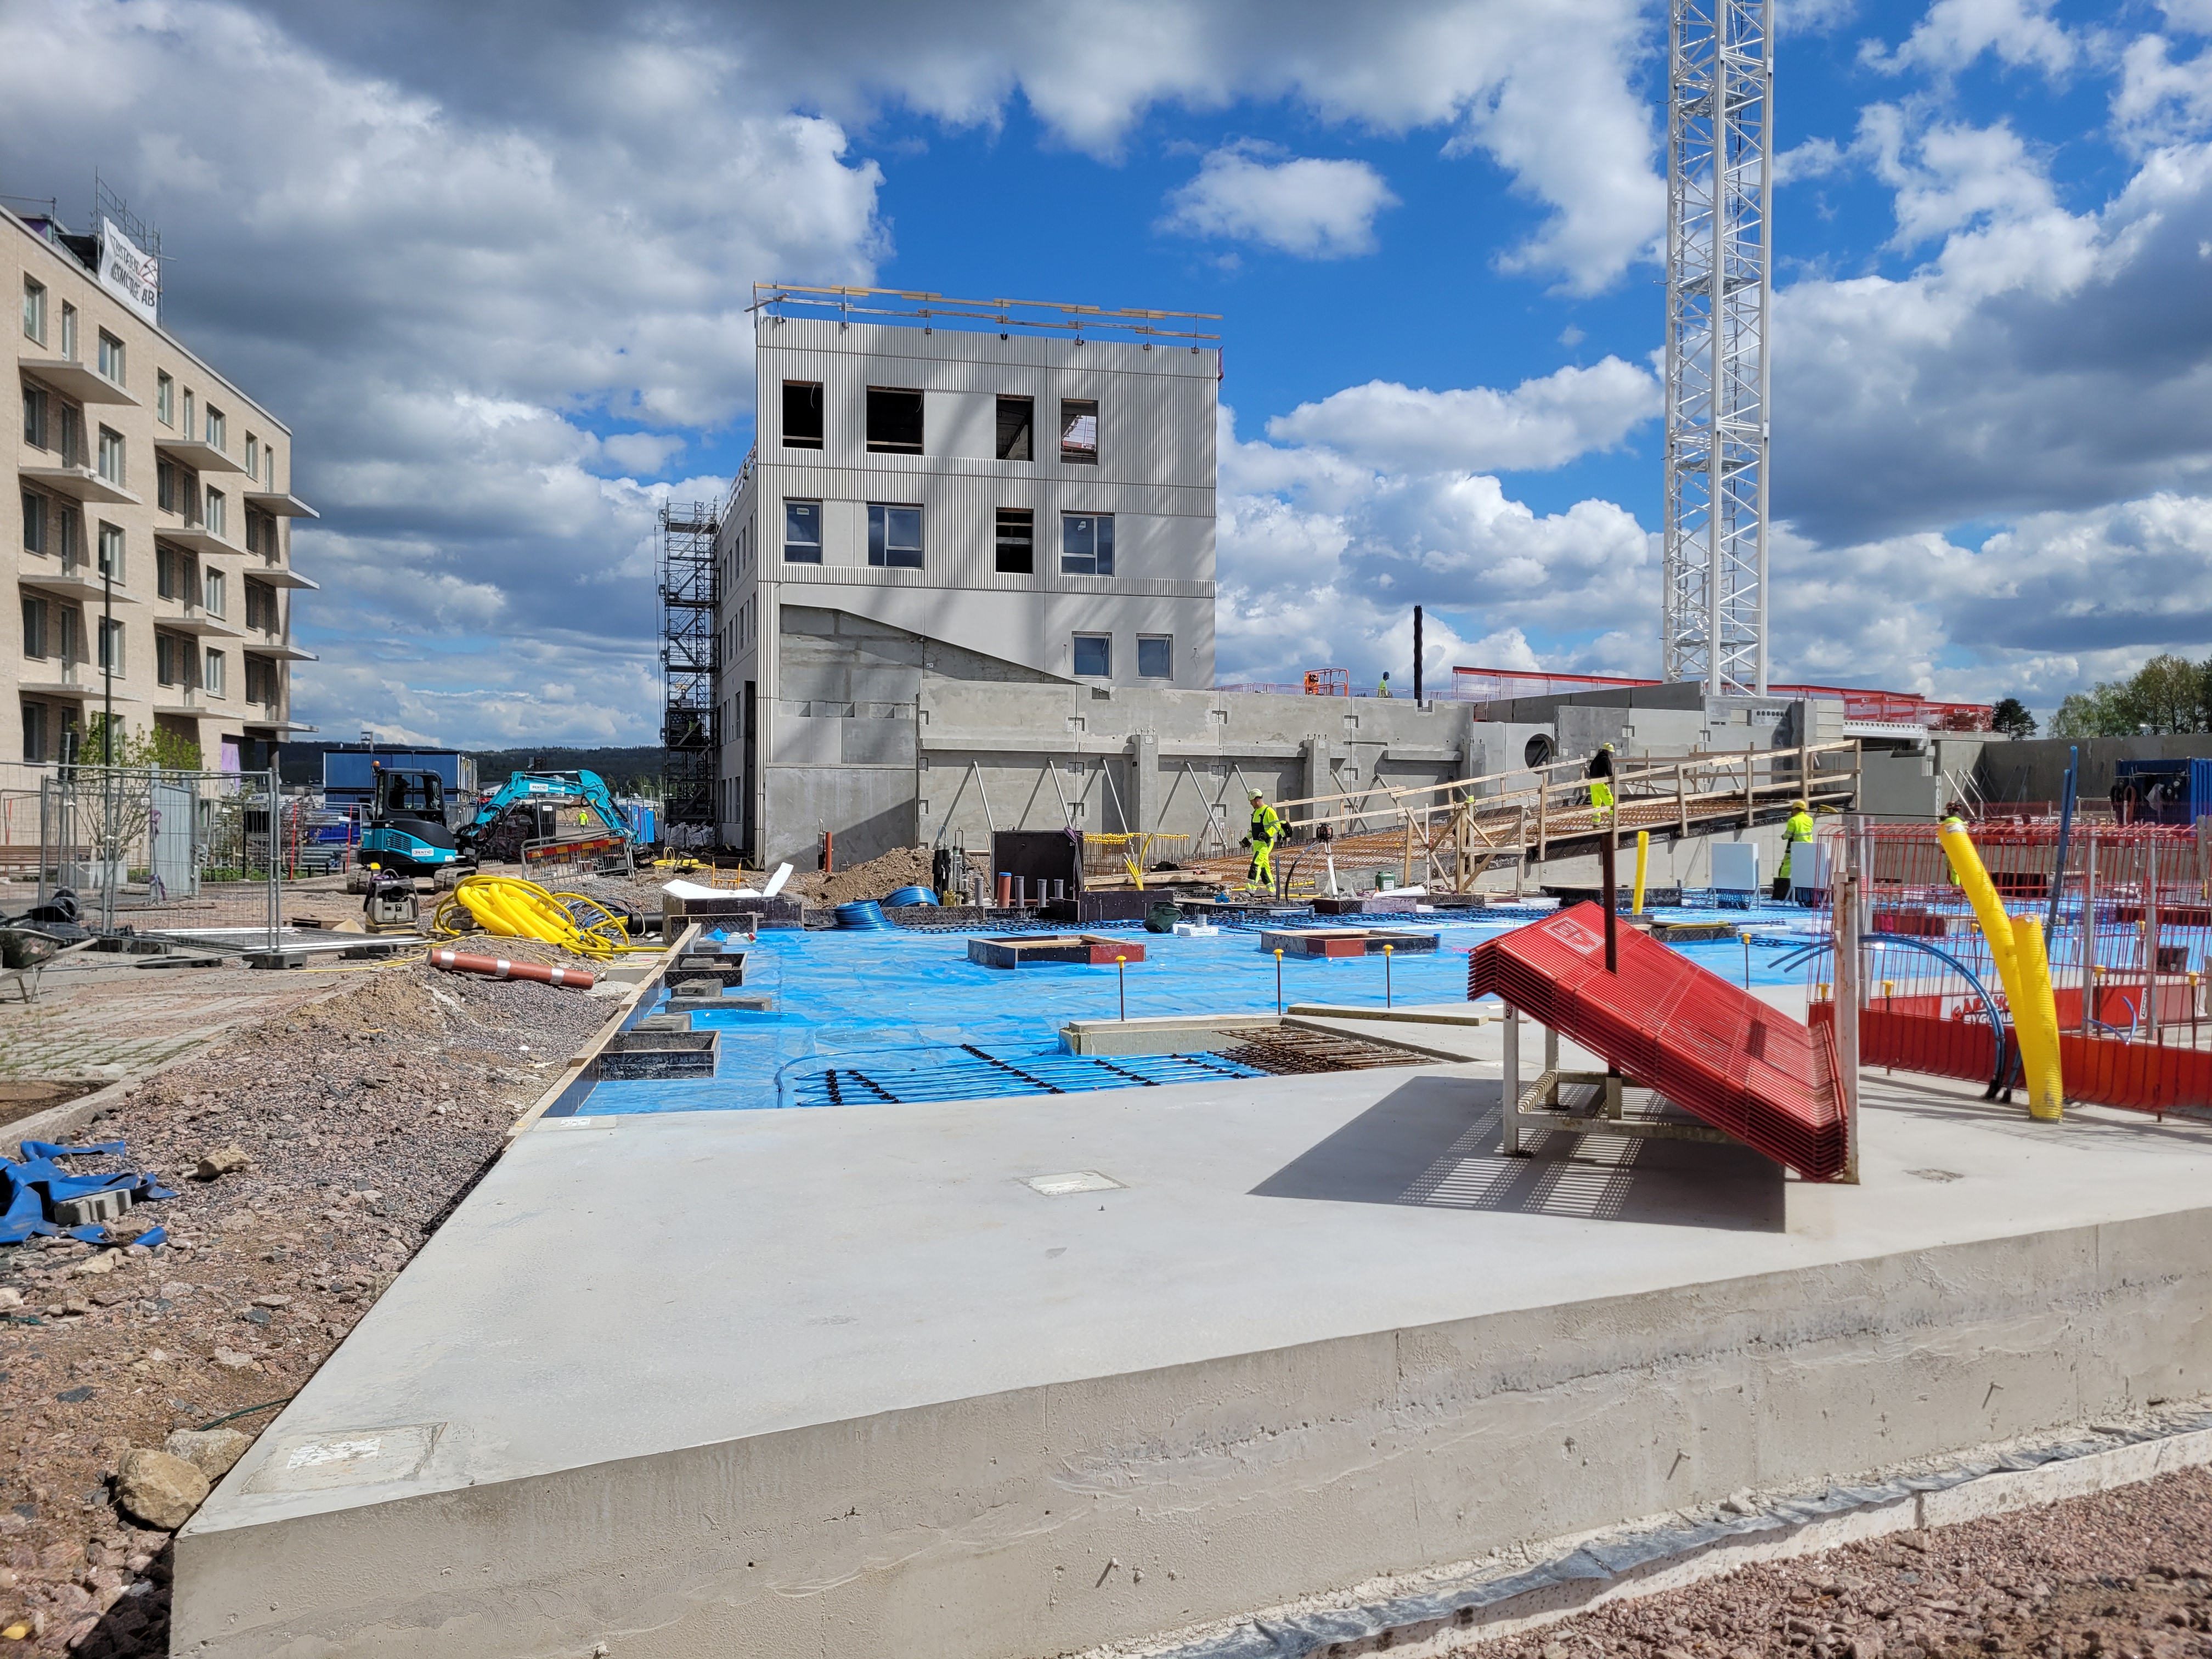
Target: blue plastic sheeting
x,y
909,1003
28,1189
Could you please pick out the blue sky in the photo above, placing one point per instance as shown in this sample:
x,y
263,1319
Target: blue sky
x,y
491,263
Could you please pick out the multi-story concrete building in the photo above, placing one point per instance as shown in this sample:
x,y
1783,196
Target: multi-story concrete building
x,y
993,506
151,541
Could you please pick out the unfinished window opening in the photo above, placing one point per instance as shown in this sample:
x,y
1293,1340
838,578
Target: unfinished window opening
x,y
894,536
1086,544
1155,656
894,420
1094,656
1079,431
802,415
802,533
1017,418
1017,541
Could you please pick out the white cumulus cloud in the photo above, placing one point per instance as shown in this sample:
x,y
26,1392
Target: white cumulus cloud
x,y
1300,205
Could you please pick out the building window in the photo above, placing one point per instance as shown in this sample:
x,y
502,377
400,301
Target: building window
x,y
164,400
111,456
1086,544
802,415
260,681
34,733
213,597
34,627
894,420
253,532
35,417
895,536
1016,417
1017,541
218,519
268,468
165,486
69,331
34,523
217,672
188,428
1078,430
166,583
71,647
802,533
253,458
34,316
1094,656
111,646
215,425
110,551
168,659
260,608
110,357
1155,656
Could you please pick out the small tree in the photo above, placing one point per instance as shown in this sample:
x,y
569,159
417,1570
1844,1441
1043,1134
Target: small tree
x,y
2102,711
148,746
2011,719
2166,694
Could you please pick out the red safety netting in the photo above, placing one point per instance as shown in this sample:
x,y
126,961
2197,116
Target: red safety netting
x,y
1709,1046
2127,924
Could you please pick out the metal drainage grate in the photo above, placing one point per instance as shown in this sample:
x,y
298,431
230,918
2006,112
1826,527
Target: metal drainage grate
x,y
970,1072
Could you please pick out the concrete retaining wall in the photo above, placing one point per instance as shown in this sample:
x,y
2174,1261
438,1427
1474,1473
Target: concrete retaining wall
x,y
1050,1518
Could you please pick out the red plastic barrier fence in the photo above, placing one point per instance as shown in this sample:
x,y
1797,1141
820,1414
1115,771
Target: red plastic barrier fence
x,y
1706,1044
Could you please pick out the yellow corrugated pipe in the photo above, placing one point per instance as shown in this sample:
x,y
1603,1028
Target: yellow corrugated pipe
x,y
2022,968
507,906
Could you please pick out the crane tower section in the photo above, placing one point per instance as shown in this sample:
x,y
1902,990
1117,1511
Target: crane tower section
x,y
1720,197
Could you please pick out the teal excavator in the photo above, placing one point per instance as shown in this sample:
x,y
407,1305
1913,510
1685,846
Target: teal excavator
x,y
516,813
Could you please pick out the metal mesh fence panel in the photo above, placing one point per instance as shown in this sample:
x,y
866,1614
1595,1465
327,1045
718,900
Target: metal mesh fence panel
x,y
158,851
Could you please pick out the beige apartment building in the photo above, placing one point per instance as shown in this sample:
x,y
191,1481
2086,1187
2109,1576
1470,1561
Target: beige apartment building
x,y
151,537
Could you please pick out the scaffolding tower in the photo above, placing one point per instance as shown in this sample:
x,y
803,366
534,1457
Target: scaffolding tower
x,y
1720,197
687,597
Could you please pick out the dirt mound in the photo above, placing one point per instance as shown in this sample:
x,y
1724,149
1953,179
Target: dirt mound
x,y
904,866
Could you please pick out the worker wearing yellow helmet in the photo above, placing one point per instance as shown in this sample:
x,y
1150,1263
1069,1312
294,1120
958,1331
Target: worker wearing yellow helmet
x,y
1598,773
1799,828
1267,830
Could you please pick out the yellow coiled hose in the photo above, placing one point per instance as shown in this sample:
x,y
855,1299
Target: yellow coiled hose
x,y
507,906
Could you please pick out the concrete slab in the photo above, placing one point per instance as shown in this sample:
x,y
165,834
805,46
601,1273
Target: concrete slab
x,y
763,1382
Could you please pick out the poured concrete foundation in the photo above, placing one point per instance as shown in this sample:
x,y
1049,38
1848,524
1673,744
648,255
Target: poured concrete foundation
x,y
842,1382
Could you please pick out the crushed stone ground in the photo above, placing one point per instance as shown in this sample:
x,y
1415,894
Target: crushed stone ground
x,y
2126,1573
365,1117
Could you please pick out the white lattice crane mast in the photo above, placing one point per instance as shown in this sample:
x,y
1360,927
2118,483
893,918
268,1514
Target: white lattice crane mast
x,y
1720,199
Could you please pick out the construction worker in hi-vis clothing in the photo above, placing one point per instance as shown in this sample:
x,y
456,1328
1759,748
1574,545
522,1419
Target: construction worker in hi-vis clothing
x,y
1599,772
1384,689
1267,830
1797,830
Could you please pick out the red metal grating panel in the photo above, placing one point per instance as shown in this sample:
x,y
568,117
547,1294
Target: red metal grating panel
x,y
1711,1046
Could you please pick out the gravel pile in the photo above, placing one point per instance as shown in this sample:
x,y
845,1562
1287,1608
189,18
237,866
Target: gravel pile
x,y
2127,1573
361,1121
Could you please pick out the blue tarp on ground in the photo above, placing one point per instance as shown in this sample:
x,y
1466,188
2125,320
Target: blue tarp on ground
x,y
30,1188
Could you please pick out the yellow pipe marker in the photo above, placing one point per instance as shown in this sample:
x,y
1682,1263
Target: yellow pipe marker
x,y
2027,985
1643,859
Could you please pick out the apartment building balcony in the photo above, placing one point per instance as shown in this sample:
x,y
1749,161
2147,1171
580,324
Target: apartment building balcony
x,y
82,483
76,583
199,622
279,650
192,452
79,380
280,504
198,538
278,575
67,682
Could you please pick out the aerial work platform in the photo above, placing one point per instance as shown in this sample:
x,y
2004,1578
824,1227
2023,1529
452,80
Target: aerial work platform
x,y
1713,1049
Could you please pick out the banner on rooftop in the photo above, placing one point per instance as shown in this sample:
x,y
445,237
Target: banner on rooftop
x,y
133,276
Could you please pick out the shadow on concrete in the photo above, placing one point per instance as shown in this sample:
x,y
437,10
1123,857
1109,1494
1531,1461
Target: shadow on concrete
x,y
1433,1143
